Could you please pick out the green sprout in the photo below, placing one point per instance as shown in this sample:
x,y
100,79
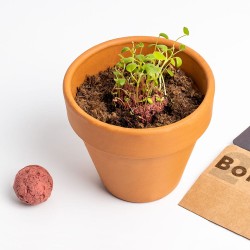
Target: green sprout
x,y
140,79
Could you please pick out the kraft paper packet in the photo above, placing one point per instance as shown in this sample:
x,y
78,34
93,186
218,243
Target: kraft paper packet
x,y
222,192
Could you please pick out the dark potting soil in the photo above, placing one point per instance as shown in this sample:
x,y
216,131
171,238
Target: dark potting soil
x,y
94,97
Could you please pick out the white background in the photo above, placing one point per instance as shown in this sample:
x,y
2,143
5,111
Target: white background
x,y
38,41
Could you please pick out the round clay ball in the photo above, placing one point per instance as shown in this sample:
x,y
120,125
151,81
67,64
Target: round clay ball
x,y
33,185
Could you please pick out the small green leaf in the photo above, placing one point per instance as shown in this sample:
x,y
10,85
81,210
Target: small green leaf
x,y
127,60
151,69
148,68
170,72
162,47
125,49
178,62
172,61
140,57
182,47
150,101
185,31
159,56
139,45
149,57
131,67
163,35
158,99
120,81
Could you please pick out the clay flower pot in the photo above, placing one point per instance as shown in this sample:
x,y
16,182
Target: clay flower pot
x,y
138,165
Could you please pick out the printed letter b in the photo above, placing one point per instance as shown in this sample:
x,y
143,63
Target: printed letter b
x,y
224,163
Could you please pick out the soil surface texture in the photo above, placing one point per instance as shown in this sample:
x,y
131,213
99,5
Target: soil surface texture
x,y
94,97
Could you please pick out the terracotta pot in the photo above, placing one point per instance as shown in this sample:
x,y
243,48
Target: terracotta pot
x,y
138,165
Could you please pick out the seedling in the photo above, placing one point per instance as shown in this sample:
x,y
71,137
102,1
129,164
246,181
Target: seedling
x,y
140,84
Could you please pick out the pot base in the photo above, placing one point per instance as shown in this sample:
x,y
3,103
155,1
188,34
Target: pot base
x,y
139,180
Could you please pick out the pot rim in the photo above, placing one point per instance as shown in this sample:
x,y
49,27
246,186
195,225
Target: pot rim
x,y
139,131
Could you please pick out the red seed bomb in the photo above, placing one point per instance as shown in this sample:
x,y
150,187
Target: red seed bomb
x,y
33,185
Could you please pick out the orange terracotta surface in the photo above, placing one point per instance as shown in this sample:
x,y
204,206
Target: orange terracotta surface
x,y
138,165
